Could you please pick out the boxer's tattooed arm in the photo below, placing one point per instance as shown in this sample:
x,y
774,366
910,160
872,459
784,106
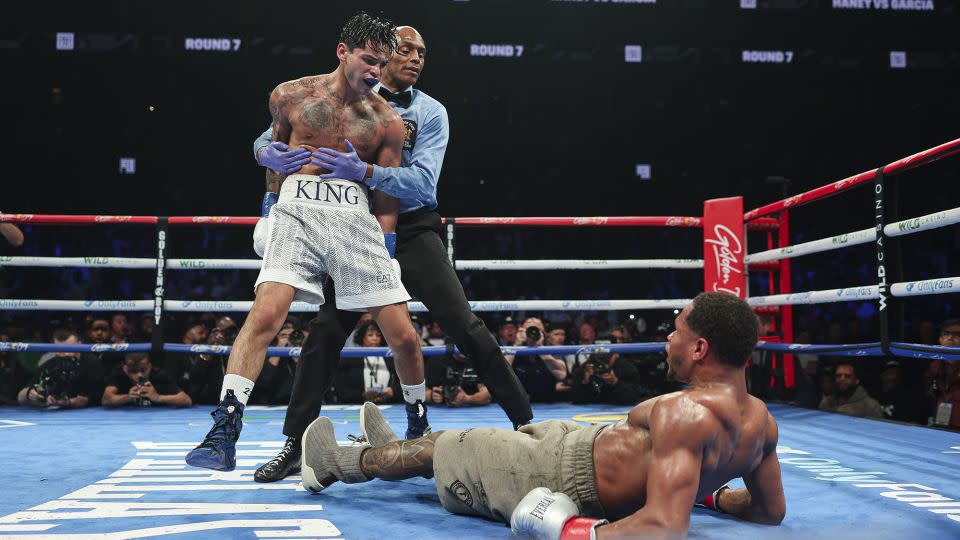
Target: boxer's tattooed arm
x,y
399,460
279,99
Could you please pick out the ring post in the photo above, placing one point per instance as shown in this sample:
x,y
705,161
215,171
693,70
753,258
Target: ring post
x,y
882,263
451,236
724,246
156,352
786,312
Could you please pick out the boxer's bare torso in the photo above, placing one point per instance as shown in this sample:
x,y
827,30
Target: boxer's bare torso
x,y
737,433
311,113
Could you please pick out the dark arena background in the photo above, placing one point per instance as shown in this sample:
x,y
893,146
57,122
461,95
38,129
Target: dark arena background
x,y
557,108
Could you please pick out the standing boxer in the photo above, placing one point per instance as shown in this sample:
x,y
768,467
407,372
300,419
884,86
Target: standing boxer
x,y
322,226
426,270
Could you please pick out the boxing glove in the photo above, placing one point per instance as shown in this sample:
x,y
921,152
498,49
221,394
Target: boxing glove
x,y
545,515
260,230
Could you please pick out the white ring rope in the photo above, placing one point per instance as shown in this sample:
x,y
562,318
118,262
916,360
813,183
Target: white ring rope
x,y
254,264
579,264
923,223
864,236
137,263
214,264
80,262
926,286
417,307
851,294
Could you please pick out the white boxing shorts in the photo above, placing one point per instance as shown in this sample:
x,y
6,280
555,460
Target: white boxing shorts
x,y
324,227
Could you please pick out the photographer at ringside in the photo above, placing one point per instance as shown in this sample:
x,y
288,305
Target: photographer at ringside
x,y
540,374
66,380
137,383
608,378
452,381
275,383
201,374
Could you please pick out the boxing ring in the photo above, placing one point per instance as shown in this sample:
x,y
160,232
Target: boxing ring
x,y
120,473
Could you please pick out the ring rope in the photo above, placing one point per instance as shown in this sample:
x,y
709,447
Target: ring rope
x,y
847,294
864,236
840,241
826,296
913,350
347,352
579,264
14,304
81,262
923,223
255,264
902,165
599,221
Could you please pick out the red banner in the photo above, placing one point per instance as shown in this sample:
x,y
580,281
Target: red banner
x,y
724,246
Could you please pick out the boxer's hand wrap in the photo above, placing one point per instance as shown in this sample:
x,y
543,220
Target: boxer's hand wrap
x,y
260,231
390,240
543,515
711,500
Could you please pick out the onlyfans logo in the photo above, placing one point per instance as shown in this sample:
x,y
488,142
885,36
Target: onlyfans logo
x,y
727,250
930,286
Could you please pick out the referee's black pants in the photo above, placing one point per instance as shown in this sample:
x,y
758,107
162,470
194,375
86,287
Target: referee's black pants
x,y
429,277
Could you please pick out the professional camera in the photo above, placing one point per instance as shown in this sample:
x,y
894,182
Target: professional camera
x,y
533,334
459,378
230,335
296,338
142,379
57,377
600,367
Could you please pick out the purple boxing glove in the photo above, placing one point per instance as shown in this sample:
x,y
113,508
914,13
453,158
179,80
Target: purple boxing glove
x,y
277,157
345,165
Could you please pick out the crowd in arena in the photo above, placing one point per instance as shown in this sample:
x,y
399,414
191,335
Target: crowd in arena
x,y
919,392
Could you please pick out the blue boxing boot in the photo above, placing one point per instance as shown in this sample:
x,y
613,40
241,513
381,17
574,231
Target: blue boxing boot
x,y
218,451
417,424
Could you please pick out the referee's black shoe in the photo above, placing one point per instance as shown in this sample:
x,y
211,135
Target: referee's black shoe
x,y
286,463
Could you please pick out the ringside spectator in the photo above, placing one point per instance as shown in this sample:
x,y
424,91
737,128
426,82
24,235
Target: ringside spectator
x,y
137,383
848,396
943,379
371,378
538,373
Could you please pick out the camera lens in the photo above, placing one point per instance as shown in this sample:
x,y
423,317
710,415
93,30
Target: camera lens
x,y
533,333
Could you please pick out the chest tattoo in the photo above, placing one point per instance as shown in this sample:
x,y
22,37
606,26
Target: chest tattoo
x,y
319,116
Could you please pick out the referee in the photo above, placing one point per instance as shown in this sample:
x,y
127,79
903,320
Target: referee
x,y
426,271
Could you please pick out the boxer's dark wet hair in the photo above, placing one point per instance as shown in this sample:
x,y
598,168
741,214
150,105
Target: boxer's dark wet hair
x,y
362,29
727,323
